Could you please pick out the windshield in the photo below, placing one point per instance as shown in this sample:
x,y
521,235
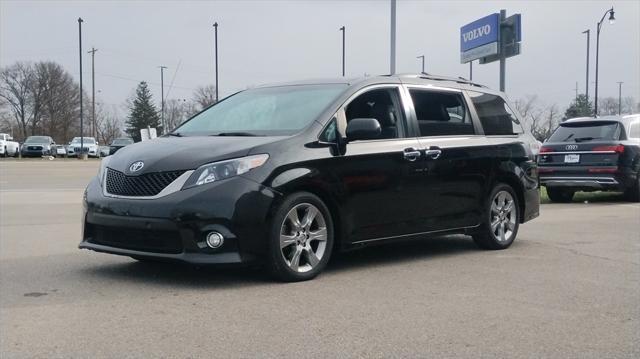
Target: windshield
x,y
586,131
37,139
122,141
87,140
266,111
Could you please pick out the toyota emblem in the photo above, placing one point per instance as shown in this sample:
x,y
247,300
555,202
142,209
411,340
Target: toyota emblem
x,y
136,166
571,147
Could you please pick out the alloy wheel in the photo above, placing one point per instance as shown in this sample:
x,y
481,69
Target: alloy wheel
x,y
503,216
303,237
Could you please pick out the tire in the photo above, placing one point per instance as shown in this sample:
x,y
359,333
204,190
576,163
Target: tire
x,y
502,219
299,248
560,195
633,193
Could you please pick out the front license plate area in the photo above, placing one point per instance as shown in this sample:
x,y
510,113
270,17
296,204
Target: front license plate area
x,y
571,158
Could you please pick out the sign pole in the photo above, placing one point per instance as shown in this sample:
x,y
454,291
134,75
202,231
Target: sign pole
x,y
470,70
503,59
392,61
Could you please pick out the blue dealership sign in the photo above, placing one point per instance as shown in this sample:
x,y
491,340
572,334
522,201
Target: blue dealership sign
x,y
480,32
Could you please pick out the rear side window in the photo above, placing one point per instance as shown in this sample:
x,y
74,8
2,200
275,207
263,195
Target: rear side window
x,y
586,131
634,130
495,115
441,113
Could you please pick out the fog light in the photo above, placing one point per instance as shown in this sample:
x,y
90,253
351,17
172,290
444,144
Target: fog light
x,y
214,239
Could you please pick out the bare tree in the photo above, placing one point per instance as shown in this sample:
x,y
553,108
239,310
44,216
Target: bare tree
x,y
550,118
15,92
177,111
205,96
608,106
57,97
108,125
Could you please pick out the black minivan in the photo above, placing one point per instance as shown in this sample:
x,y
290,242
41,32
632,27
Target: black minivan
x,y
285,175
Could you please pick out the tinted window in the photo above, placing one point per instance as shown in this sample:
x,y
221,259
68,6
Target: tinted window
x,y
381,104
441,113
495,115
586,131
273,110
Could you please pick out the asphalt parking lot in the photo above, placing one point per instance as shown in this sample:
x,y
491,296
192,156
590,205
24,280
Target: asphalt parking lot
x,y
568,287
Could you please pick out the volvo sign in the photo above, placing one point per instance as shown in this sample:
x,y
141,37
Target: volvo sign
x,y
480,38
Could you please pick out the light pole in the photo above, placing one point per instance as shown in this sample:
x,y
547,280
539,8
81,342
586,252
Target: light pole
x,y
81,155
215,27
421,57
93,91
620,97
586,84
392,52
343,31
162,96
612,19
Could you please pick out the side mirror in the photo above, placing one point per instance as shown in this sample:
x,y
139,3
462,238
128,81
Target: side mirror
x,y
363,129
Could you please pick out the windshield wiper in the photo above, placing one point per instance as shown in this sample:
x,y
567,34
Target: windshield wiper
x,y
174,134
582,139
235,134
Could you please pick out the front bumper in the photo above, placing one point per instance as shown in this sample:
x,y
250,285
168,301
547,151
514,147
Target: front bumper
x,y
174,227
36,153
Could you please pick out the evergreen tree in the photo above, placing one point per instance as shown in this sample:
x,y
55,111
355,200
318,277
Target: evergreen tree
x,y
580,107
143,113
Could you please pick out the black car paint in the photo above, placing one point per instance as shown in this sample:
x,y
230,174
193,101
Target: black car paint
x,y
373,193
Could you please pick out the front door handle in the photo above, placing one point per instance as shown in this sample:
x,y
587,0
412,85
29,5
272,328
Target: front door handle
x,y
411,154
433,152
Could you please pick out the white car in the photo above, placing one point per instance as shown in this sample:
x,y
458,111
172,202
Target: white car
x,y
8,147
89,146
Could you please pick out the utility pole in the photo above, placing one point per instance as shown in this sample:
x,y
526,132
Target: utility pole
x,y
215,26
620,97
392,60
93,93
586,84
343,31
81,154
470,70
599,25
503,59
162,97
576,92
421,57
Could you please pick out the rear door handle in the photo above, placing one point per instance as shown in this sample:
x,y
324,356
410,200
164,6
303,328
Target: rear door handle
x,y
433,152
411,154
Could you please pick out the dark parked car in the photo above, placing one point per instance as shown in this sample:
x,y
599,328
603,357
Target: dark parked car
x,y
286,175
38,146
118,143
592,154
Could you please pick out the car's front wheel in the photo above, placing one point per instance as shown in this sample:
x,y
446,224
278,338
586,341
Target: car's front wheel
x,y
560,195
633,192
301,238
500,227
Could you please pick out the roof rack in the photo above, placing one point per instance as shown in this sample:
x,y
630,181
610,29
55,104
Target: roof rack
x,y
460,80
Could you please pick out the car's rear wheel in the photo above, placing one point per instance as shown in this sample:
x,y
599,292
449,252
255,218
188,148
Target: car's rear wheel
x,y
560,195
500,227
301,238
5,154
633,193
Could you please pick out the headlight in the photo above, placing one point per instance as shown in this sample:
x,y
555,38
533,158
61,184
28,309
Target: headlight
x,y
218,171
102,172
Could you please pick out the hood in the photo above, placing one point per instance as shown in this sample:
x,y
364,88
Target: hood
x,y
183,153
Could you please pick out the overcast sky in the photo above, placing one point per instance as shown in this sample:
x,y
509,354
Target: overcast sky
x,y
275,41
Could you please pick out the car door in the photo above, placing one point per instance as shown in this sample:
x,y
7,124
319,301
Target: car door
x,y
456,159
378,177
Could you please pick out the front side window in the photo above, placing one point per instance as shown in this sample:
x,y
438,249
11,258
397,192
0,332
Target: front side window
x,y
282,110
495,115
384,106
441,113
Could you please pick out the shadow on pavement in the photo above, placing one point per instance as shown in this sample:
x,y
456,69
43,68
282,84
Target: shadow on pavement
x,y
176,274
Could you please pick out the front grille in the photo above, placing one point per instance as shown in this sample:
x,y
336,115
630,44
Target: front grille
x,y
146,185
136,239
34,148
